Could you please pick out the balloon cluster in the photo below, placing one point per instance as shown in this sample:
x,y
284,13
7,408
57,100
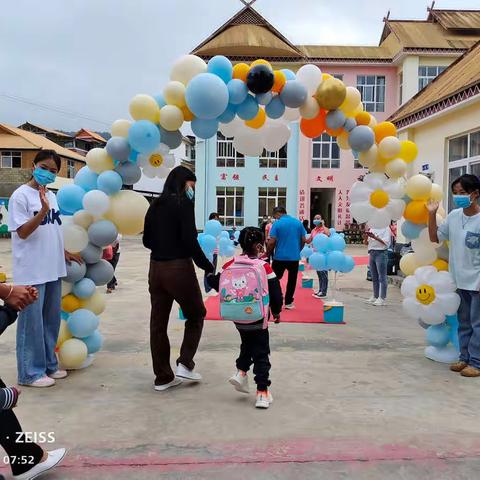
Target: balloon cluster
x,y
215,237
328,253
94,211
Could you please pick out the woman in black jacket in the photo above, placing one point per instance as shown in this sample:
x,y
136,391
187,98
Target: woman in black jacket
x,y
170,233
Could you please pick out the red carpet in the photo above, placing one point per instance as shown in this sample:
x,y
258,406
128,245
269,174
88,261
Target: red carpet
x,y
308,309
363,260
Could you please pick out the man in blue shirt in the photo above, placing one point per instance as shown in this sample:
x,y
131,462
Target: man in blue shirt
x,y
287,238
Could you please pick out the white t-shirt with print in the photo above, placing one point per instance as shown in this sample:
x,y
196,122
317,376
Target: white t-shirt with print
x,y
39,258
382,233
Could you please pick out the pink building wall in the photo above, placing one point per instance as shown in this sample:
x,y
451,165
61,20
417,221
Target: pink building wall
x,y
341,179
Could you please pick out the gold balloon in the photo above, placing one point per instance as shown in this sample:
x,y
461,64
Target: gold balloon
x,y
331,93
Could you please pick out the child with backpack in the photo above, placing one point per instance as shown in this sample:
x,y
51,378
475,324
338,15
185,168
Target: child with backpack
x,y
249,291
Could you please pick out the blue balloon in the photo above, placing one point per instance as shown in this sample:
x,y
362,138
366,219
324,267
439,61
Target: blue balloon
x,y
70,198
225,234
93,342
230,252
229,114
237,91
318,261
306,252
411,230
206,96
64,315
438,335
85,288
337,242
224,245
248,109
118,148
321,243
109,182
213,228
264,98
276,108
221,67
452,322
335,260
348,264
86,178
208,244
82,323
133,156
236,235
172,139
204,128
293,94
406,199
160,100
144,136
289,74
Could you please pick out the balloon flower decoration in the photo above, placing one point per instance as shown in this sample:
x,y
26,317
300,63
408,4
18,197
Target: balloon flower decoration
x,y
215,237
430,297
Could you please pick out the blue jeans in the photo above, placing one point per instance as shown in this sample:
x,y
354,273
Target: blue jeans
x,y
469,327
37,333
378,269
322,281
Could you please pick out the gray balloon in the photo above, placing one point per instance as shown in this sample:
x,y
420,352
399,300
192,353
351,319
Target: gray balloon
x,y
100,273
129,172
172,139
264,98
335,119
118,148
361,138
91,253
350,124
102,233
293,94
75,272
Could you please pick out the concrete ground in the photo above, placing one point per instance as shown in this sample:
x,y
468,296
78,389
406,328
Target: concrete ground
x,y
354,401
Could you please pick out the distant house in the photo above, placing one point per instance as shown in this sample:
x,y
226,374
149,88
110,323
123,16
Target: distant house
x,y
84,140
60,138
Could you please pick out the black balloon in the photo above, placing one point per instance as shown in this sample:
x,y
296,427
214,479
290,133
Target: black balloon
x,y
260,79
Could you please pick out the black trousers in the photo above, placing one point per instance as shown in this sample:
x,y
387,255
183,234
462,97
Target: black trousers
x,y
114,262
26,454
279,267
255,348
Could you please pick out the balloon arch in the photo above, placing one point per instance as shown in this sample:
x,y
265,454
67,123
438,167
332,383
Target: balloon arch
x,y
253,104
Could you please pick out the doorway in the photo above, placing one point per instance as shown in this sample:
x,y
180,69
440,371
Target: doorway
x,y
322,202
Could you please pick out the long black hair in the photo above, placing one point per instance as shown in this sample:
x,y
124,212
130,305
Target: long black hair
x,y
249,237
45,155
175,183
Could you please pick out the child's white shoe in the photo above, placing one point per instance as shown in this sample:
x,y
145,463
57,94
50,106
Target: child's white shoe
x,y
240,382
264,399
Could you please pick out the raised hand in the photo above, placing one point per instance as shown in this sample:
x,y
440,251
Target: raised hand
x,y
433,206
42,191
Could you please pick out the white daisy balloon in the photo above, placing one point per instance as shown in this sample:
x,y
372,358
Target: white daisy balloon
x,y
430,295
377,200
157,163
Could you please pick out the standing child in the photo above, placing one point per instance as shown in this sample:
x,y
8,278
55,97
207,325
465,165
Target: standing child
x,y
322,274
242,274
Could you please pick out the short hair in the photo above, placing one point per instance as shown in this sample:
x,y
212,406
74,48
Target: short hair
x,y
46,154
213,216
281,210
470,183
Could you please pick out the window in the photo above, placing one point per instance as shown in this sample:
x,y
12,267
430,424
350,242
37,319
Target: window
x,y
338,76
230,205
372,88
70,169
326,153
400,91
463,157
69,144
276,159
227,156
11,159
356,163
268,199
427,74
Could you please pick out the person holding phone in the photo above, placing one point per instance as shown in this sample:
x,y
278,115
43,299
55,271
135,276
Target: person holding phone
x,y
378,241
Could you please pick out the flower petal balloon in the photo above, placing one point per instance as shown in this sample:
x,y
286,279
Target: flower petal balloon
x,y
377,200
430,295
157,163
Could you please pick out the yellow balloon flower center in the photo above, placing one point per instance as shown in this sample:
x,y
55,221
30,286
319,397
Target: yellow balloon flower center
x,y
156,160
425,294
379,198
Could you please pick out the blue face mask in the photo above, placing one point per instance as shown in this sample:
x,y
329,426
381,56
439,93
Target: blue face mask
x,y
462,201
317,222
190,193
43,177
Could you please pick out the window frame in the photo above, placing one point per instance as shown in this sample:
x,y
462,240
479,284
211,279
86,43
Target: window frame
x,y
229,157
278,159
425,78
14,156
71,171
277,193
332,160
230,220
375,89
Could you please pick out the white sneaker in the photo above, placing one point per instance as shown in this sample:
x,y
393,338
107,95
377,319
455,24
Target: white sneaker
x,y
161,388
184,372
371,300
263,401
53,459
42,382
319,295
240,382
59,374
379,302
290,306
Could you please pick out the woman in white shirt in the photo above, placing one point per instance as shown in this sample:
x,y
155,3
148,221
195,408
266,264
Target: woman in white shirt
x,y
38,260
378,243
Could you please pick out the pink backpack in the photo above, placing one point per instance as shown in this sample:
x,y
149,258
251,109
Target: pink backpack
x,y
244,291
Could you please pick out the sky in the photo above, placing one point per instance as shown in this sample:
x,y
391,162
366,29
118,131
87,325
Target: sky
x,y
68,64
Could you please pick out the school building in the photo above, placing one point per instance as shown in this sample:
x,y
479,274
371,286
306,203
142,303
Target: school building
x,y
315,176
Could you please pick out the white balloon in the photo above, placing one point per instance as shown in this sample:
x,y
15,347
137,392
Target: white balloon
x,y
275,136
187,67
96,202
250,143
389,147
310,108
83,218
75,238
291,114
229,130
66,288
310,76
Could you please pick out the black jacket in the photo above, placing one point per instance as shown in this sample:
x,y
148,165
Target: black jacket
x,y
170,231
7,317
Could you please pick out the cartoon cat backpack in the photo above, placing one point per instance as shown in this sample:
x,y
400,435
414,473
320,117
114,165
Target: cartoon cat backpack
x,y
244,291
